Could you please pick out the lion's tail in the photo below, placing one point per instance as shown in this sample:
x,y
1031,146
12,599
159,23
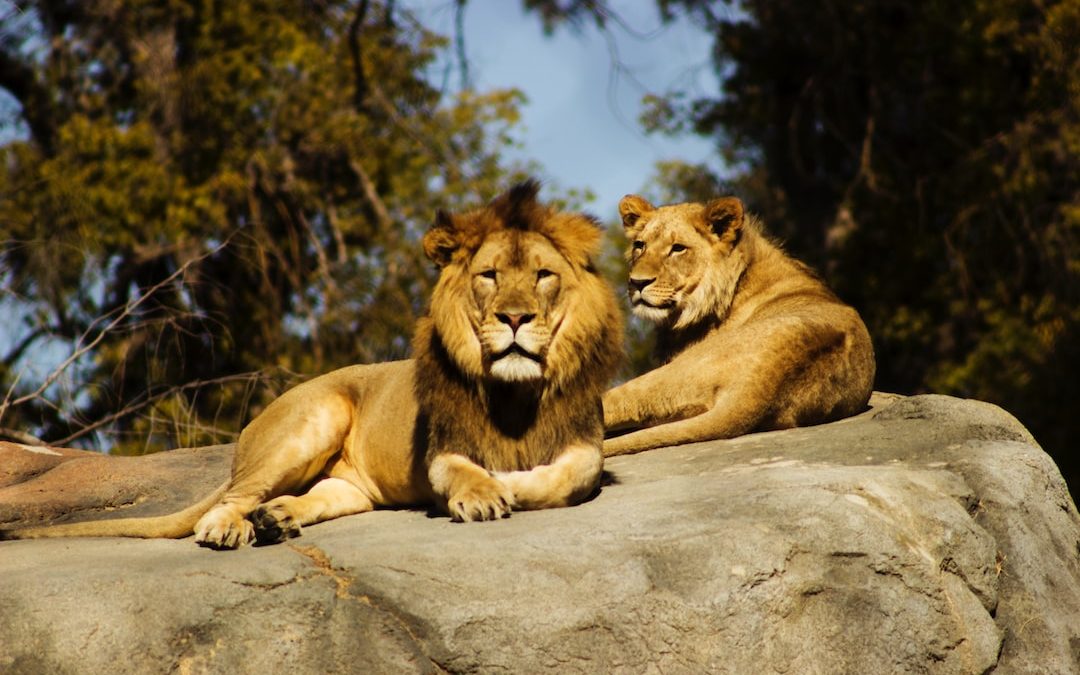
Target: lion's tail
x,y
172,526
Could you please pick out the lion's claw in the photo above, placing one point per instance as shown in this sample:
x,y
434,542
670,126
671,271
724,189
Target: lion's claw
x,y
273,524
483,500
223,529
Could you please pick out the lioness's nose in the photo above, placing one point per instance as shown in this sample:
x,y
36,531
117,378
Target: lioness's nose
x,y
639,284
515,321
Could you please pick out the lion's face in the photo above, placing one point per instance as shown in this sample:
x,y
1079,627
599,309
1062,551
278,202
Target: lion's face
x,y
517,299
683,258
518,280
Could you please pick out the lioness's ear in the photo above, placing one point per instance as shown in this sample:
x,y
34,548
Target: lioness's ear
x,y
725,217
441,240
631,208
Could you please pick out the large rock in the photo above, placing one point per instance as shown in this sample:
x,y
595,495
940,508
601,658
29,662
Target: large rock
x,y
929,534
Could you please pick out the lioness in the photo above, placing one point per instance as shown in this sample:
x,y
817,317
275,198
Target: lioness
x,y
751,339
499,408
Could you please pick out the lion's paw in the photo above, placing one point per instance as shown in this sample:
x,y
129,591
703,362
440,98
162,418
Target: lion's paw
x,y
273,524
482,500
223,528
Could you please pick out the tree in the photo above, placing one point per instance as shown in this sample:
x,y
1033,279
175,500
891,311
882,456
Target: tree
x,y
200,200
925,156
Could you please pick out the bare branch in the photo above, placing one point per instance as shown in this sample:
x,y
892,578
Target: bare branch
x,y
20,437
335,229
382,214
359,77
84,348
459,44
21,81
141,404
447,162
18,350
10,392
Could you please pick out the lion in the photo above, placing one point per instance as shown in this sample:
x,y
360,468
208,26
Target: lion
x,y
499,408
749,338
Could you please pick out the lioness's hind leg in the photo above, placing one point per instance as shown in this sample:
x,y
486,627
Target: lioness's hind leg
x,y
281,518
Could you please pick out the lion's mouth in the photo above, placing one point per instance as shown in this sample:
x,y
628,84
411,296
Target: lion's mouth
x,y
517,364
516,349
640,301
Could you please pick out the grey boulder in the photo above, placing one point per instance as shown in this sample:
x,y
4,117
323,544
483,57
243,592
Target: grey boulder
x,y
929,534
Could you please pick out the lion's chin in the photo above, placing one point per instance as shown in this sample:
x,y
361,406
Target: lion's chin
x,y
516,368
650,313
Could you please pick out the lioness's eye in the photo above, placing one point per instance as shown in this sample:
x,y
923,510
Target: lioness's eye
x,y
677,248
638,245
544,274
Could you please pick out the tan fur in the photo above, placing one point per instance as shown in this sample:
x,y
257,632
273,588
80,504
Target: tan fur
x,y
751,339
499,409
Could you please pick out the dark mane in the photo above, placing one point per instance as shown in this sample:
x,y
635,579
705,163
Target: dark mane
x,y
517,208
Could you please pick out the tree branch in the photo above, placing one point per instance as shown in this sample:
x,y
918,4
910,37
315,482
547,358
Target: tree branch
x,y
21,81
359,77
459,44
20,437
16,353
136,406
83,349
382,214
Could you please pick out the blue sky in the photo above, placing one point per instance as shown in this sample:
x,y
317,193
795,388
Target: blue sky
x,y
581,119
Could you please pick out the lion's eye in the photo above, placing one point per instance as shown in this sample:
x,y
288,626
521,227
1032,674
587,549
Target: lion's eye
x,y
638,245
544,274
677,248
489,274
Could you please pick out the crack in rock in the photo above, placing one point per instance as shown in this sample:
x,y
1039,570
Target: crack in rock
x,y
343,581
323,566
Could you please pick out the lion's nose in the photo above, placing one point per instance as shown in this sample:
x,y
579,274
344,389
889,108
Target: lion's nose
x,y
515,321
638,283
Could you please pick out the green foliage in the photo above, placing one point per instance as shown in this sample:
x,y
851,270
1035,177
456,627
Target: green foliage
x,y
218,196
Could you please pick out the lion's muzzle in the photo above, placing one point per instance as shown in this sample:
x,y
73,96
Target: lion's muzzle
x,y
647,302
515,349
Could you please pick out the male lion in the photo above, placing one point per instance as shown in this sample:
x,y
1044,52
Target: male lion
x,y
499,408
751,340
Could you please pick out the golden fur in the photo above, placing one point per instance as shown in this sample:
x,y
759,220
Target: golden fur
x,y
499,408
751,339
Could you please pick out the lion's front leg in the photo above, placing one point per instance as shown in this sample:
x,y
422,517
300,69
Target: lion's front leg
x,y
656,397
470,491
569,480
737,412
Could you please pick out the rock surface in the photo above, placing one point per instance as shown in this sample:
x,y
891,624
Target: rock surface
x,y
929,534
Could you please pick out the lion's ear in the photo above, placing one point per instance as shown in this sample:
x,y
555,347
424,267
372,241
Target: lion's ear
x,y
441,240
631,209
724,217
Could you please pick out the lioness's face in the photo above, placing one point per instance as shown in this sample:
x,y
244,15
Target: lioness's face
x,y
682,262
668,258
518,279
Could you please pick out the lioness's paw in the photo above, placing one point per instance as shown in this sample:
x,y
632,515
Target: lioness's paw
x,y
482,500
223,530
273,524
